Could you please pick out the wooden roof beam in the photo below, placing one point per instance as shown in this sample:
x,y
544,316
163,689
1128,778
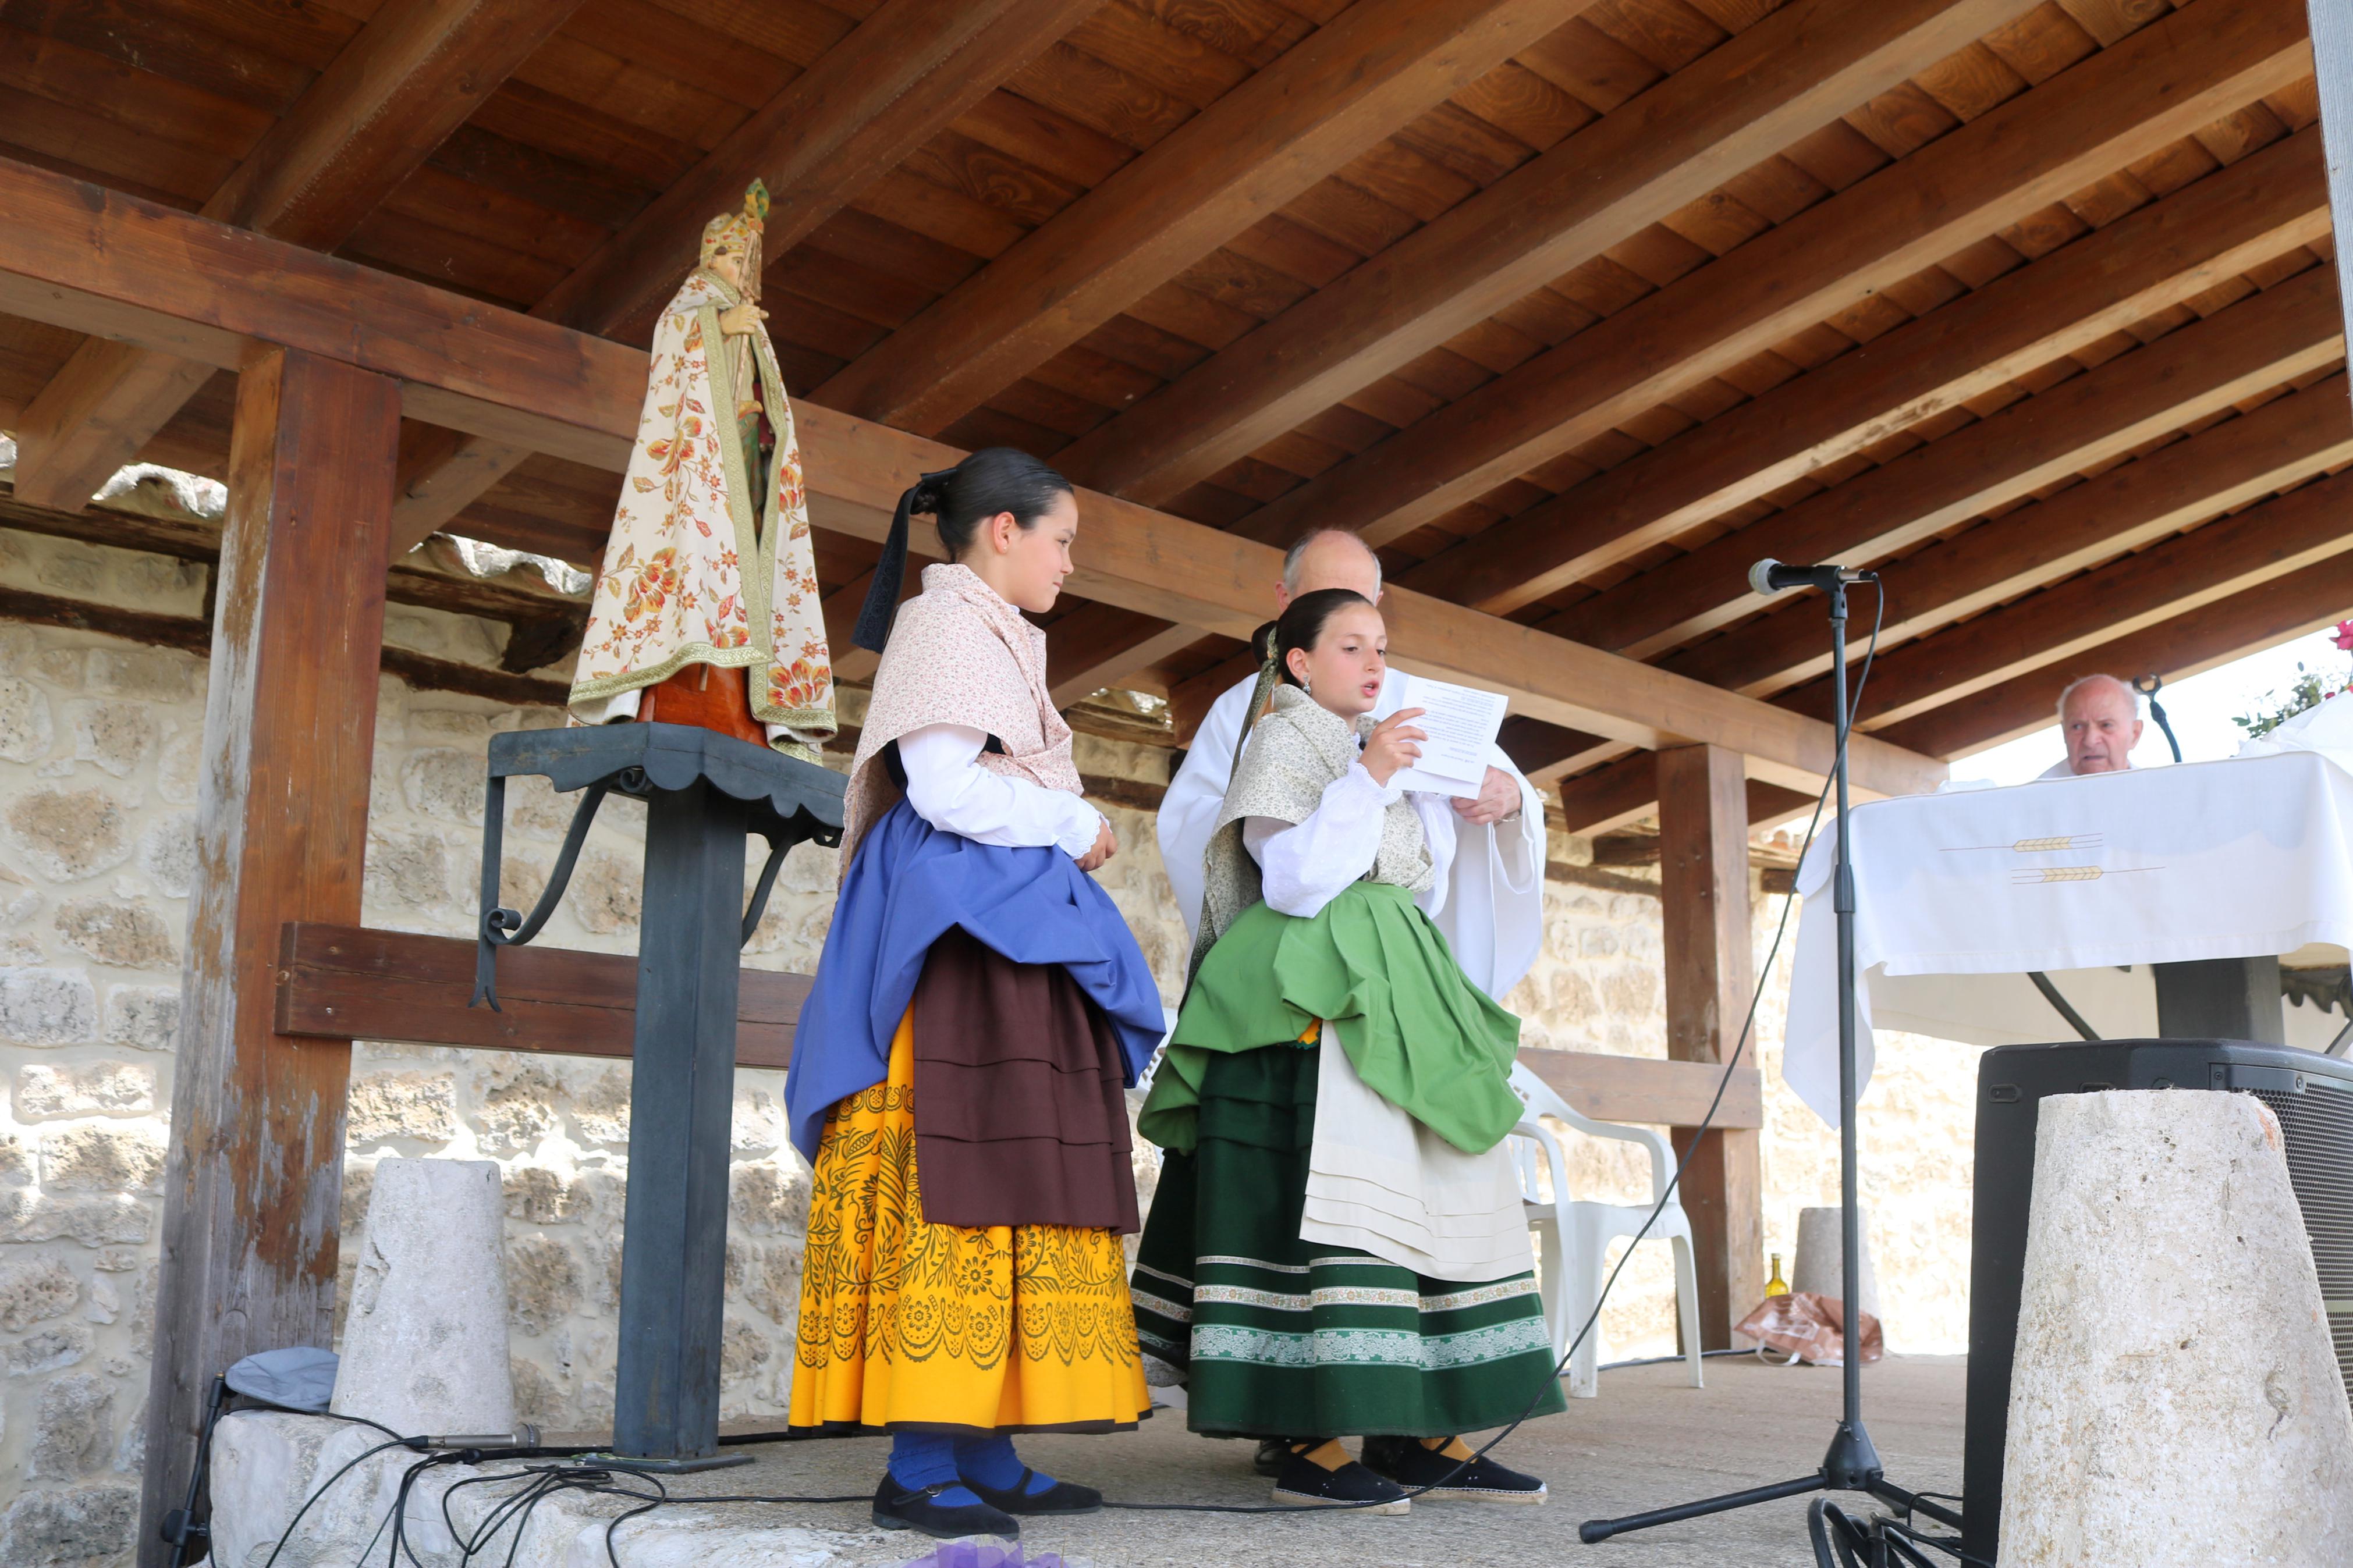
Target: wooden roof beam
x,y
1765,88
2191,374
2130,506
1336,93
1095,645
2151,261
87,259
2293,533
406,79
896,81
2210,634
1628,790
2174,77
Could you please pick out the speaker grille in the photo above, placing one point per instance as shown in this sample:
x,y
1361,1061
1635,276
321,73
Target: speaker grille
x,y
2318,1128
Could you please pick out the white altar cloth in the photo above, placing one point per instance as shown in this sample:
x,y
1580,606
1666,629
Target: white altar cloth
x,y
2224,859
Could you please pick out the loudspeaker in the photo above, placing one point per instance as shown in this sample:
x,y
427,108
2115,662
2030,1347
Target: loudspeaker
x,y
2311,1094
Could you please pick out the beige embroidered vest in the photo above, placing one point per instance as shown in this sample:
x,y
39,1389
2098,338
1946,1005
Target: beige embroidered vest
x,y
1293,754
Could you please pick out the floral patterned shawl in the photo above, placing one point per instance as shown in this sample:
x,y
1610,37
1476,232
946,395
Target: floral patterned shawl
x,y
673,591
958,654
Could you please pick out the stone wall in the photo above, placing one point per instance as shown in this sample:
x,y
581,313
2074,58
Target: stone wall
x,y
99,746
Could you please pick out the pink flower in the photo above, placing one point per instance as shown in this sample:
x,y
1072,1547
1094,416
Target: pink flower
x,y
2344,636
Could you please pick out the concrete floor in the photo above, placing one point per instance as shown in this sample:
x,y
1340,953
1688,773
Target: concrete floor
x,y
1649,1441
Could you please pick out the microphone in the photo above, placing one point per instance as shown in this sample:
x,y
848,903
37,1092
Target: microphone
x,y
1769,576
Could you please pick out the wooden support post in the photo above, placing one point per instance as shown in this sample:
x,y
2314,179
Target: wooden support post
x,y
2332,58
255,1181
1703,906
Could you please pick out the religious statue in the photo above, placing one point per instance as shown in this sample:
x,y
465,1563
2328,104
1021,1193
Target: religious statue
x,y
707,611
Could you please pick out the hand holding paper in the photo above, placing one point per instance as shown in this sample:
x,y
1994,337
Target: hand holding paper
x,y
1461,723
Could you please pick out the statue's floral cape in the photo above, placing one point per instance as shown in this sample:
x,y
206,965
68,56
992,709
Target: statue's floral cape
x,y
673,591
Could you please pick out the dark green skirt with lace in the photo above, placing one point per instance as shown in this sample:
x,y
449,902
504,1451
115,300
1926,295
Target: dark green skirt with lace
x,y
1279,1337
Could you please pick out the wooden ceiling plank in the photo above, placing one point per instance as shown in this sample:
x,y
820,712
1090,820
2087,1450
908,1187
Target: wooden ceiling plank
x,y
1768,87
2126,506
2162,83
81,257
2197,371
405,81
2290,534
2176,648
1094,645
900,78
2271,202
1338,92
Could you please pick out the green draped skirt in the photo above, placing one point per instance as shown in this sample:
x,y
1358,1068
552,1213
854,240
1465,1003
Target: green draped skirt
x,y
1280,1337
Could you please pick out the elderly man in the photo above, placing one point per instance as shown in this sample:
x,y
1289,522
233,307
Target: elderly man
x,y
2099,718
1489,900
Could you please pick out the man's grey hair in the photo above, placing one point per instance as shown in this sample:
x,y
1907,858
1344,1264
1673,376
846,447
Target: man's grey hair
x,y
1298,553
2074,686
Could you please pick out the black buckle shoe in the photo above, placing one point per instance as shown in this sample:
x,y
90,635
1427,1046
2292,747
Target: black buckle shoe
x,y
1062,1497
1405,1461
1304,1481
912,1508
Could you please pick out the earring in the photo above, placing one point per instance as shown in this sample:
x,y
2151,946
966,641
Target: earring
x,y
1306,686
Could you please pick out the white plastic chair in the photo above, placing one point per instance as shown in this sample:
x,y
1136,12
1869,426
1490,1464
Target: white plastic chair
x,y
1575,1236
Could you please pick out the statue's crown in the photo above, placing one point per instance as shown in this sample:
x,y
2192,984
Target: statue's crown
x,y
738,229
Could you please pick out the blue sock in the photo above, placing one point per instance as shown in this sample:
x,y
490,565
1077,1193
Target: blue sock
x,y
992,1462
921,1459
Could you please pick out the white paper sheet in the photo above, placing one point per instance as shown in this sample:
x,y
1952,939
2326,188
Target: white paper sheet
x,y
1461,723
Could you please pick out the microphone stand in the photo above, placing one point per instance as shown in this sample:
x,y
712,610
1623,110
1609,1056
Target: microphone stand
x,y
1851,1463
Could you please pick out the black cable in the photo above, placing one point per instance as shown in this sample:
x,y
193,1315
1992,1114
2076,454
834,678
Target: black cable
x,y
311,1501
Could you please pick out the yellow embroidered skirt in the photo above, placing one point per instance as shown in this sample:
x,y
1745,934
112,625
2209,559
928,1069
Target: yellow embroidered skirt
x,y
909,1326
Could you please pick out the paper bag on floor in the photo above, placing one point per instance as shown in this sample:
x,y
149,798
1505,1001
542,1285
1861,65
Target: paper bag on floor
x,y
1811,1328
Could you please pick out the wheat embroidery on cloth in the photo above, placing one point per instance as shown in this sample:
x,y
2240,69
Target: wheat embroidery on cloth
x,y
691,576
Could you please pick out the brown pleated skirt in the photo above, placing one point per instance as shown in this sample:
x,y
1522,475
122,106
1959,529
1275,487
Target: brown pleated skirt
x,y
1020,1114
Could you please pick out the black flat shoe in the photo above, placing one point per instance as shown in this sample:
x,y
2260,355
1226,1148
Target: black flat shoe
x,y
1271,1452
1304,1481
1062,1497
1405,1461
919,1508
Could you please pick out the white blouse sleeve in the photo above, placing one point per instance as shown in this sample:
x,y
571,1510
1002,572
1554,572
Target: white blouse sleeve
x,y
949,789
1306,866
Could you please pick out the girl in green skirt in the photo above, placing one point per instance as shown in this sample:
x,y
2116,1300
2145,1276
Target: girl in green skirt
x,y
1337,1246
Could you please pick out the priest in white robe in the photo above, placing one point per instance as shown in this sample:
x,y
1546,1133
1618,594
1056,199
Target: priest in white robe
x,y
1487,897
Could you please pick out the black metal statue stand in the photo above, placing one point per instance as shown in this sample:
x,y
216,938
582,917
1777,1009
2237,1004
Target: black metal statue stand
x,y
705,794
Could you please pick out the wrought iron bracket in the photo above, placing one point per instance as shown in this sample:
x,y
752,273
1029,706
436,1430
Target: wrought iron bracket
x,y
792,802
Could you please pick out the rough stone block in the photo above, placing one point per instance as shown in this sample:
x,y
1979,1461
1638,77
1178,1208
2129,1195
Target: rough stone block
x,y
114,737
2175,1398
73,1428
102,1159
543,1283
417,1105
406,870
769,1198
69,834
98,1089
424,1348
152,673
26,732
145,1018
46,1006
114,930
167,853
89,1527
33,1289
443,783
606,894
47,1350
